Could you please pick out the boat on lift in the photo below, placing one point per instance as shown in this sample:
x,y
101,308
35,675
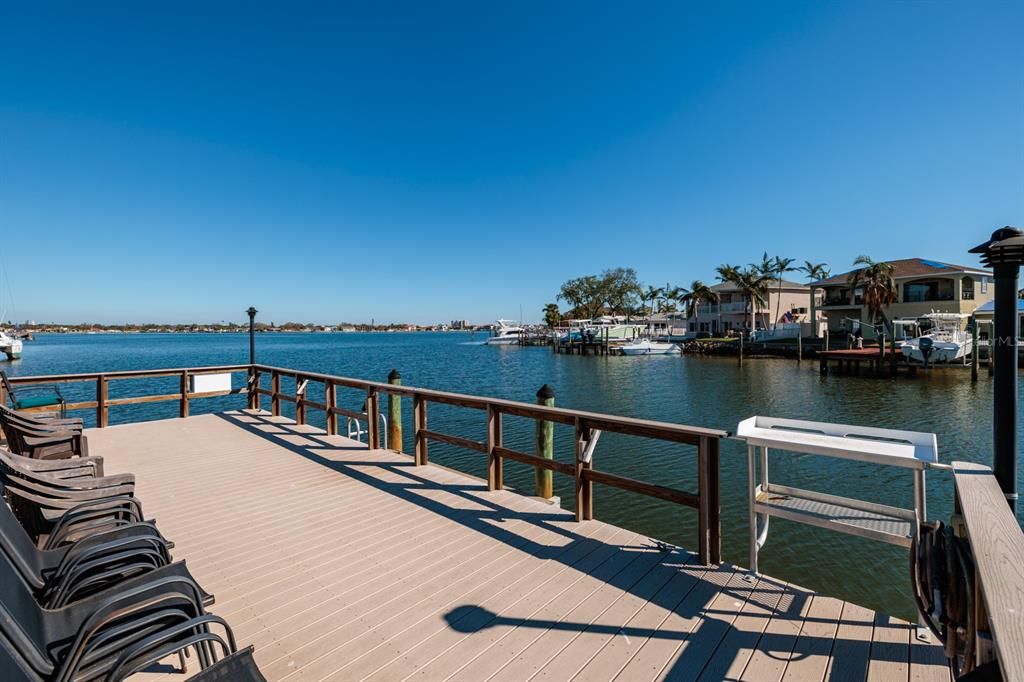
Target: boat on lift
x,y
940,339
505,333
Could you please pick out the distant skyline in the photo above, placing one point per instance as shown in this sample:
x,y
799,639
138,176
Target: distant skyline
x,y
423,162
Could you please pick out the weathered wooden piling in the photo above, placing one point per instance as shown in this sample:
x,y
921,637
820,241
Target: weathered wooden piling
x,y
975,352
395,413
545,444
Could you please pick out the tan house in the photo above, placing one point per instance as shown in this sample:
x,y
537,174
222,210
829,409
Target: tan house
x,y
923,286
729,313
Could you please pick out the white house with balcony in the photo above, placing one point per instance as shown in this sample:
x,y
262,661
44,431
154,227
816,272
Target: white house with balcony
x,y
789,304
923,286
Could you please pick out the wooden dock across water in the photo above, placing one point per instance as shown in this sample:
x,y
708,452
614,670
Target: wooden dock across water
x,y
344,563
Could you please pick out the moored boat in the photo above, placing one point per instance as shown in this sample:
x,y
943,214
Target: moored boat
x,y
506,333
10,346
940,341
649,347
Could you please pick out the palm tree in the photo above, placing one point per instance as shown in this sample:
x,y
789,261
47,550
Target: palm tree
x,y
552,316
780,267
815,272
699,294
651,294
878,285
751,282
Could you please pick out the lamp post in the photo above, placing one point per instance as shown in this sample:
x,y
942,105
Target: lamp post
x,y
1004,253
252,334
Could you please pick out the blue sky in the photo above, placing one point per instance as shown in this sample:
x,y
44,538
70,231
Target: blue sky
x,y
429,161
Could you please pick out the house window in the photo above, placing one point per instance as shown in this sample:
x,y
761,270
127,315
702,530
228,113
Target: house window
x,y
923,290
693,326
967,289
984,285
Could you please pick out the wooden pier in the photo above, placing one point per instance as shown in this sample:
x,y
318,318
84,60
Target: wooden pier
x,y
344,563
341,560
848,361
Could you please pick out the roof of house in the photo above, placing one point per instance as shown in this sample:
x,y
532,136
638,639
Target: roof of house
x,y
911,267
786,284
989,307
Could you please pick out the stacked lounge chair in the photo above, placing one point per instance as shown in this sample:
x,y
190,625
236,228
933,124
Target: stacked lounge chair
x,y
88,587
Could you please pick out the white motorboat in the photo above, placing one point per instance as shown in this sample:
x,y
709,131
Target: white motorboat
x,y
940,339
648,347
506,333
10,346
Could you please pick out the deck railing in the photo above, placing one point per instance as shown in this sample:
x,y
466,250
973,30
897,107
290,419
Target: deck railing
x,y
587,426
102,380
997,546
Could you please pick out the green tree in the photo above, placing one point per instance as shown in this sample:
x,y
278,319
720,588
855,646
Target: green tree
x,y
651,293
876,281
698,295
780,266
620,288
815,272
552,316
752,284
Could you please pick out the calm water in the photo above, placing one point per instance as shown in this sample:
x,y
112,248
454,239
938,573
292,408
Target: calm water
x,y
688,390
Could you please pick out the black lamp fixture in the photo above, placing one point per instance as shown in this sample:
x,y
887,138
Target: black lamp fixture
x,y
252,334
1004,253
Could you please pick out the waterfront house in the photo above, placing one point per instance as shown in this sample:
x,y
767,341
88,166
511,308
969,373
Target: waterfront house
x,y
923,286
985,314
729,314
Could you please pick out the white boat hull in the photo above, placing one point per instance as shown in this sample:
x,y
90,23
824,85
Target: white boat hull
x,y
650,348
11,347
502,341
943,352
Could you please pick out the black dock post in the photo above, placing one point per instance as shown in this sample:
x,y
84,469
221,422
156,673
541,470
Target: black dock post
x,y
1004,253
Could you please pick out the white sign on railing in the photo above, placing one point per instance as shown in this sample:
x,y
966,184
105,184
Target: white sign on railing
x,y
210,383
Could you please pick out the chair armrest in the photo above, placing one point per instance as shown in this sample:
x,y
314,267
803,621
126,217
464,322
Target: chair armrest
x,y
73,465
181,636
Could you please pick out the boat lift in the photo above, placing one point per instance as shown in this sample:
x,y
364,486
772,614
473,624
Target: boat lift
x,y
912,450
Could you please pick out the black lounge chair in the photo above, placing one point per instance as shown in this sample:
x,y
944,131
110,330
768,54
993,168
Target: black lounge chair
x,y
52,527
58,577
235,666
84,640
47,440
34,395
67,475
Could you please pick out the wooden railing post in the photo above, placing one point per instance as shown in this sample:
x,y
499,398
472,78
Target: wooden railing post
x,y
183,404
544,485
419,425
331,401
395,414
495,473
101,401
300,406
584,486
709,512
275,394
373,418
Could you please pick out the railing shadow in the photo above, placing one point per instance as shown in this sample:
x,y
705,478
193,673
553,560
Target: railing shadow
x,y
700,590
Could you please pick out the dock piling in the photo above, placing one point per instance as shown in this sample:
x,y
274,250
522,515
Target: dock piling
x,y
975,351
544,483
395,413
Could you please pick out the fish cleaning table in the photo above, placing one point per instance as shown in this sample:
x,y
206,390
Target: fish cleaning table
x,y
911,450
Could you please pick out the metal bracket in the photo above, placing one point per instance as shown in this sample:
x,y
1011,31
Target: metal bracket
x,y
588,451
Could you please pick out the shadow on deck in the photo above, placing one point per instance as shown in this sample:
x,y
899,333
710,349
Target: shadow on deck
x,y
357,564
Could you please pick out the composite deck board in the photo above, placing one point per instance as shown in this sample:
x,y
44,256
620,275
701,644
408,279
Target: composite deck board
x,y
344,563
